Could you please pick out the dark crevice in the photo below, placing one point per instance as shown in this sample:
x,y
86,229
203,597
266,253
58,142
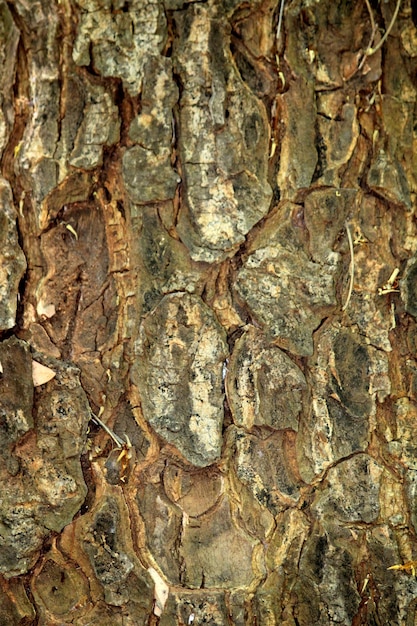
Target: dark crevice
x,y
67,342
169,44
129,107
6,334
90,69
276,193
21,299
227,416
21,116
233,337
28,591
121,208
327,117
175,149
321,156
176,163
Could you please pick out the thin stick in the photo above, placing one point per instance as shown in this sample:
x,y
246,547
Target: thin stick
x,y
281,11
118,440
371,51
371,17
372,37
352,267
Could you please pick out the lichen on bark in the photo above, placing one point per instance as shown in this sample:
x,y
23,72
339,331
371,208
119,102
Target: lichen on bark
x,y
45,484
226,189
286,292
178,371
209,243
12,259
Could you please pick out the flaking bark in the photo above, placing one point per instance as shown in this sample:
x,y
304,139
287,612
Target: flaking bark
x,y
177,185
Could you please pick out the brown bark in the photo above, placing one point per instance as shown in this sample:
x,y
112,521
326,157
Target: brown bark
x,y
207,313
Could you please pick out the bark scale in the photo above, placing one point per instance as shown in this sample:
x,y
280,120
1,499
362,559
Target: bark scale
x,y
181,190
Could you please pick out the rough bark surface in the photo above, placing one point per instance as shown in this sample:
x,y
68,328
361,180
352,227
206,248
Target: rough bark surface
x,y
208,303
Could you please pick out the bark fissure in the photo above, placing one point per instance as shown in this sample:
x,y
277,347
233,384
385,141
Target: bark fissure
x,y
177,181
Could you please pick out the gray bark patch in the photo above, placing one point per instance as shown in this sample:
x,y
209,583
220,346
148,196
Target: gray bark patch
x,y
264,387
12,259
264,464
353,491
180,353
223,142
284,290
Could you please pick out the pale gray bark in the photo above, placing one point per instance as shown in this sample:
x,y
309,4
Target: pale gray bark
x,y
179,183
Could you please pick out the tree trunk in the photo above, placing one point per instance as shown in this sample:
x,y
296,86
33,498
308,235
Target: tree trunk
x,y
208,294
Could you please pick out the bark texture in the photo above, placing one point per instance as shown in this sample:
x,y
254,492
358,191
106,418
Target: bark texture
x,y
209,243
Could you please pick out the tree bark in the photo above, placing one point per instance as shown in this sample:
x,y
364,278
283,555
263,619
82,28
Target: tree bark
x,y
208,302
